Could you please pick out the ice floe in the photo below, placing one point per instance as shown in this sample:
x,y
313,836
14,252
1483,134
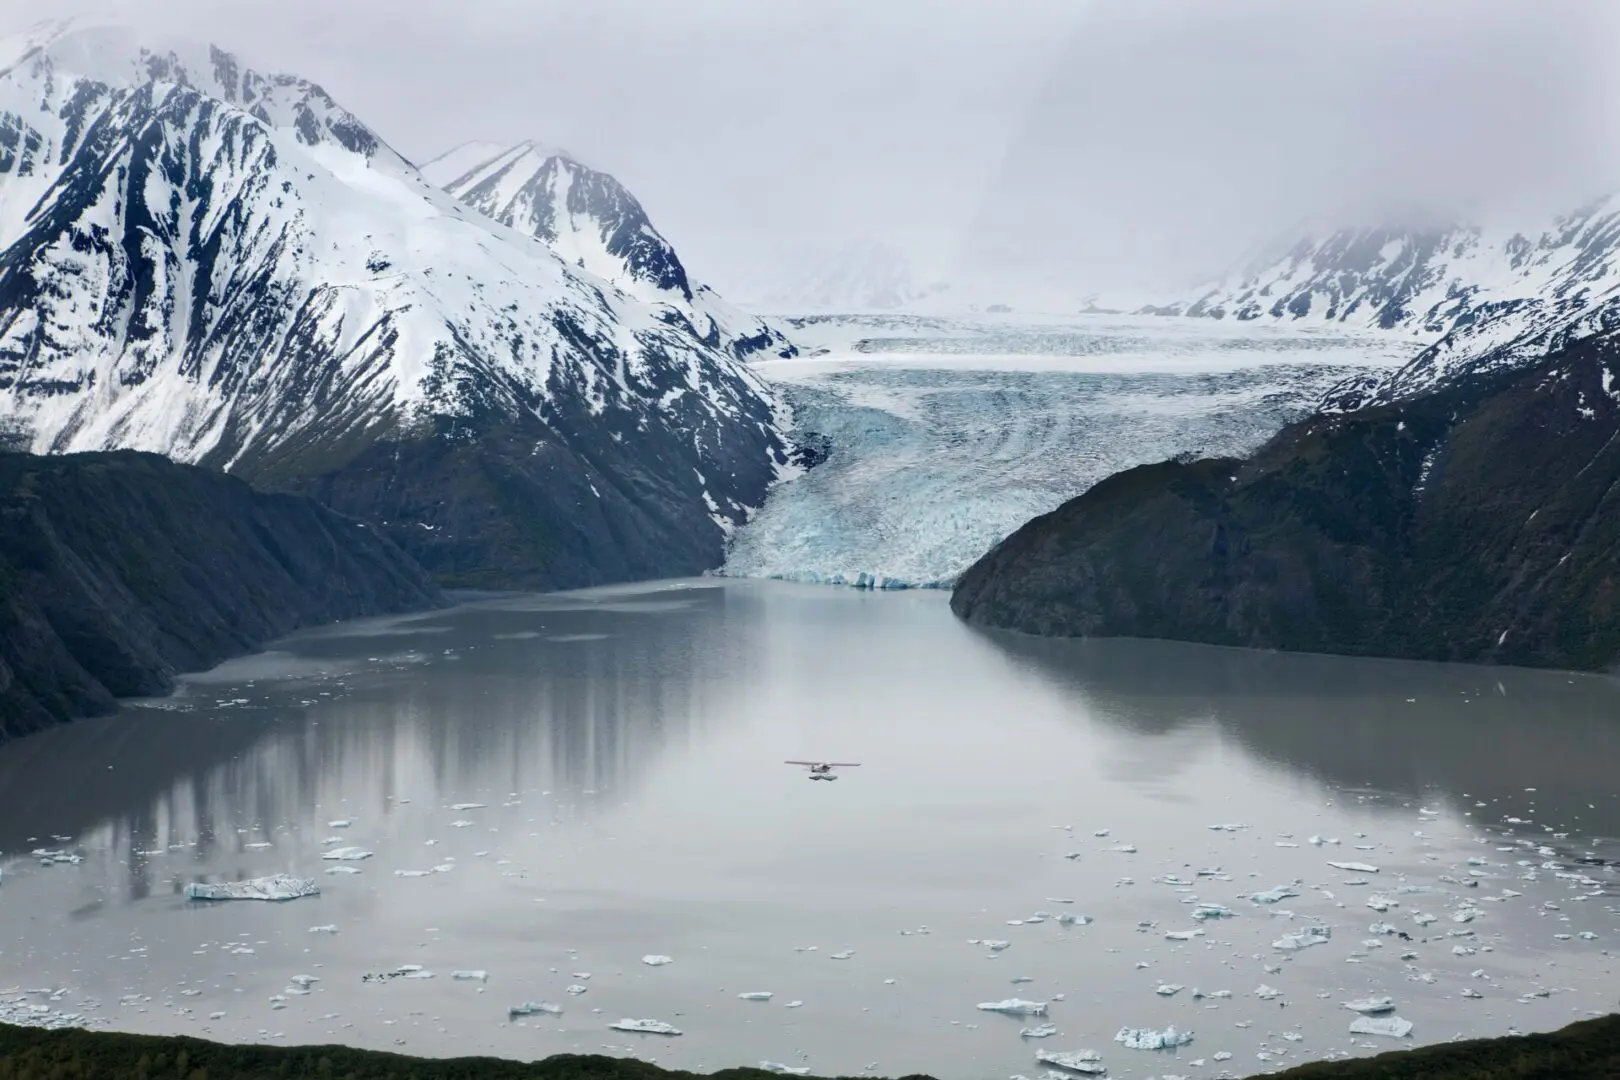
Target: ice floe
x,y
1148,1039
1390,1026
1014,1007
1088,1062
646,1027
656,960
347,854
275,887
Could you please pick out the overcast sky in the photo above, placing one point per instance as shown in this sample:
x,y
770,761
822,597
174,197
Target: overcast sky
x,y
1052,142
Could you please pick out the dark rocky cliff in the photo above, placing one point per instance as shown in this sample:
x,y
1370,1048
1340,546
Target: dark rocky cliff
x,y
119,570
1478,523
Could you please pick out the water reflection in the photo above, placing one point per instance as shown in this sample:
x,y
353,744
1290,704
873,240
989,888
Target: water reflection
x,y
557,699
1470,734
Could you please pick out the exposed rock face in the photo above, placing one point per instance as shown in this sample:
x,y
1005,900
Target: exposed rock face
x,y
226,268
1477,523
119,570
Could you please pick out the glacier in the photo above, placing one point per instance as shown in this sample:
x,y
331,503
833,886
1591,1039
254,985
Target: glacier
x,y
943,435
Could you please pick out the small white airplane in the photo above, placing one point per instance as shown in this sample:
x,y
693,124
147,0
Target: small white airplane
x,y
823,770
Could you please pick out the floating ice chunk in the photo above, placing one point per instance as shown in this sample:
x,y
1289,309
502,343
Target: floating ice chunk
x,y
1384,928
1466,913
756,995
347,854
1355,867
257,845
1275,895
1267,993
327,929
275,887
535,1008
1379,902
1169,989
1014,1007
785,1070
1469,992
1068,919
467,806
1212,911
1043,1031
1228,828
576,989
412,873
1080,1061
1371,1006
343,870
793,1005
404,971
646,1027
461,823
1390,1026
1423,918
470,976
1587,935
994,946
1183,935
1124,849
655,960
844,955
340,823
304,982
1315,935
1148,1039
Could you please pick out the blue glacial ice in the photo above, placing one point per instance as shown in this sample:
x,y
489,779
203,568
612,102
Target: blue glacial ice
x,y
935,455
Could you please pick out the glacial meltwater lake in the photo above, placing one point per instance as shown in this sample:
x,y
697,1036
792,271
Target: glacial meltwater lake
x,y
623,751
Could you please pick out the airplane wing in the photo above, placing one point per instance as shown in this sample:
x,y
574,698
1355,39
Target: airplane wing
x,y
845,764
801,763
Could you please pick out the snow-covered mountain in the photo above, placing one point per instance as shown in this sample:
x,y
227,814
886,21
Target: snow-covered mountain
x,y
1472,299
228,268
594,223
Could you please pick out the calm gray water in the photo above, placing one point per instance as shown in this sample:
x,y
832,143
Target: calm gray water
x,y
626,746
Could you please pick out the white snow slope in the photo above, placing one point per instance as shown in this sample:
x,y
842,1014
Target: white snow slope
x,y
1472,299
594,223
218,265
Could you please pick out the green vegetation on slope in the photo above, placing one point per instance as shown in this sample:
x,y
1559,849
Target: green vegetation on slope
x,y
1589,1050
1480,523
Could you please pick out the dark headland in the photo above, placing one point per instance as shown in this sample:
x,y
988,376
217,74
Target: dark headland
x,y
1588,1050
1479,523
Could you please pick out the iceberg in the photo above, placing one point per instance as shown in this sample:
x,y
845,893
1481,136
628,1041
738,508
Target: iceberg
x,y
1148,1039
784,1070
1379,902
1212,911
275,887
655,960
756,995
1275,895
1041,1032
1391,1026
1466,913
1015,1007
646,1027
1168,989
994,946
1315,935
1080,1061
467,806
1267,993
1182,935
534,1008
1355,867
1371,1006
347,854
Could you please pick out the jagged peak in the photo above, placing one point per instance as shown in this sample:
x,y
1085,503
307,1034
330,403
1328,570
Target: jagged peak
x,y
118,54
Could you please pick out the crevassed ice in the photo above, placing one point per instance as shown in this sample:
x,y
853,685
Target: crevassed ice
x,y
930,467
